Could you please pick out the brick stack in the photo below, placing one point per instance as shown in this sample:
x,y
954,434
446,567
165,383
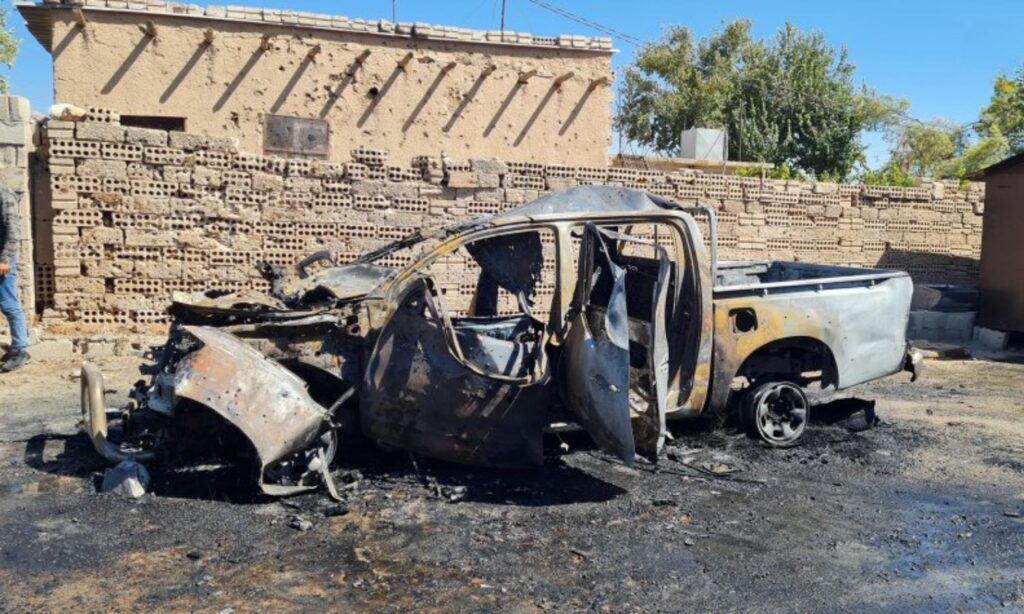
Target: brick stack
x,y
141,213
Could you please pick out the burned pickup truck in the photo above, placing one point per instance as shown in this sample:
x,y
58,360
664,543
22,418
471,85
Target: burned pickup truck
x,y
598,307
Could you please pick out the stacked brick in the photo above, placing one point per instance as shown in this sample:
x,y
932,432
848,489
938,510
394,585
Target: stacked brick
x,y
16,147
138,214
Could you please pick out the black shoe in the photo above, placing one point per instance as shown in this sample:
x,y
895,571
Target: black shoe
x,y
15,359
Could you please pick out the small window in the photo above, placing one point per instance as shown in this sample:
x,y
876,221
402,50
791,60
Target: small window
x,y
154,121
296,136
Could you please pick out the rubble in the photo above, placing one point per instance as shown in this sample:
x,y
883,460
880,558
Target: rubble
x,y
515,529
300,524
128,478
335,510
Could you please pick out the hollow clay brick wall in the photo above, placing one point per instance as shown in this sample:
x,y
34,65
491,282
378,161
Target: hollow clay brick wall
x,y
138,214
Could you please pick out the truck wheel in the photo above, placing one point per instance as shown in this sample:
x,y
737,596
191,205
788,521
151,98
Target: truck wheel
x,y
777,412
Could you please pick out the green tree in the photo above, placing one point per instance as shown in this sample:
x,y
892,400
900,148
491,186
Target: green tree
x,y
923,149
889,174
790,100
8,48
944,150
1004,114
985,151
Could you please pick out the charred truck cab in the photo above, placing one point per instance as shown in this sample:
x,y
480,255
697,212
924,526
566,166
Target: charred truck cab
x,y
598,307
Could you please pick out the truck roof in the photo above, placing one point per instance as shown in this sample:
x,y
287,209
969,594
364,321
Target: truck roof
x,y
591,199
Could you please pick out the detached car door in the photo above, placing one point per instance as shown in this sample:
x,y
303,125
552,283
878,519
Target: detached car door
x,y
614,365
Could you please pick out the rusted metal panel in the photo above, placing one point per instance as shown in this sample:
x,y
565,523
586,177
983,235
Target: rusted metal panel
x,y
417,396
595,366
597,378
267,403
297,136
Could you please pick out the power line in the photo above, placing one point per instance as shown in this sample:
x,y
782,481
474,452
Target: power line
x,y
626,38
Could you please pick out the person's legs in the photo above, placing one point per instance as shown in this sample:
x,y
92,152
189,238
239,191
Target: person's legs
x,y
11,308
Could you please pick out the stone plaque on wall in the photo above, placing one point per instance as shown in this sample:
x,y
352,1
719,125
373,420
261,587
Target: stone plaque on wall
x,y
296,136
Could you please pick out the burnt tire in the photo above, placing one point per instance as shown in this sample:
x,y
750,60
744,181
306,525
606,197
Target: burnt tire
x,y
776,412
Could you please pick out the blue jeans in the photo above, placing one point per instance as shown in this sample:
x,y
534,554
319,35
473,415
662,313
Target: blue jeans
x,y
11,308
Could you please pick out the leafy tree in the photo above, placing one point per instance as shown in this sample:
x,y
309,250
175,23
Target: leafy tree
x,y
790,100
1005,111
941,149
923,149
890,174
986,151
8,48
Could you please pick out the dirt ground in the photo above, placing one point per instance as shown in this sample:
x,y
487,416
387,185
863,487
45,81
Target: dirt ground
x,y
921,512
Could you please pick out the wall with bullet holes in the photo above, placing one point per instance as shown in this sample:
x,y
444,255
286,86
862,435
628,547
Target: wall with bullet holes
x,y
410,88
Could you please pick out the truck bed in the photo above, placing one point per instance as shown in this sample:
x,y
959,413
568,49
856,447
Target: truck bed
x,y
859,314
735,278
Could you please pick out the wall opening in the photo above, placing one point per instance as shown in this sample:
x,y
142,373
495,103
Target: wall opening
x,y
154,121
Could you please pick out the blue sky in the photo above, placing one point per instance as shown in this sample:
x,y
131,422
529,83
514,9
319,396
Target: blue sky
x,y
940,55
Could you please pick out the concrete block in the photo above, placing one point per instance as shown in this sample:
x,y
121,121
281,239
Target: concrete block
x,y
267,181
941,325
20,110
186,140
98,348
468,179
222,143
101,235
100,131
146,136
991,339
202,176
560,183
14,133
497,167
103,168
14,178
734,206
52,350
128,479
145,238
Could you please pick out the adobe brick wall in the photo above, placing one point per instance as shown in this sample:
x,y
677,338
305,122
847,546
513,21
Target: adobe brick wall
x,y
420,89
16,147
138,214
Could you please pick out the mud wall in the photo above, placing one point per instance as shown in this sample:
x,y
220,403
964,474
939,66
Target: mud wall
x,y
474,94
138,214
16,150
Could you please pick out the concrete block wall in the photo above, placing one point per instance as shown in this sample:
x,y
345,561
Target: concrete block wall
x,y
16,148
138,214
